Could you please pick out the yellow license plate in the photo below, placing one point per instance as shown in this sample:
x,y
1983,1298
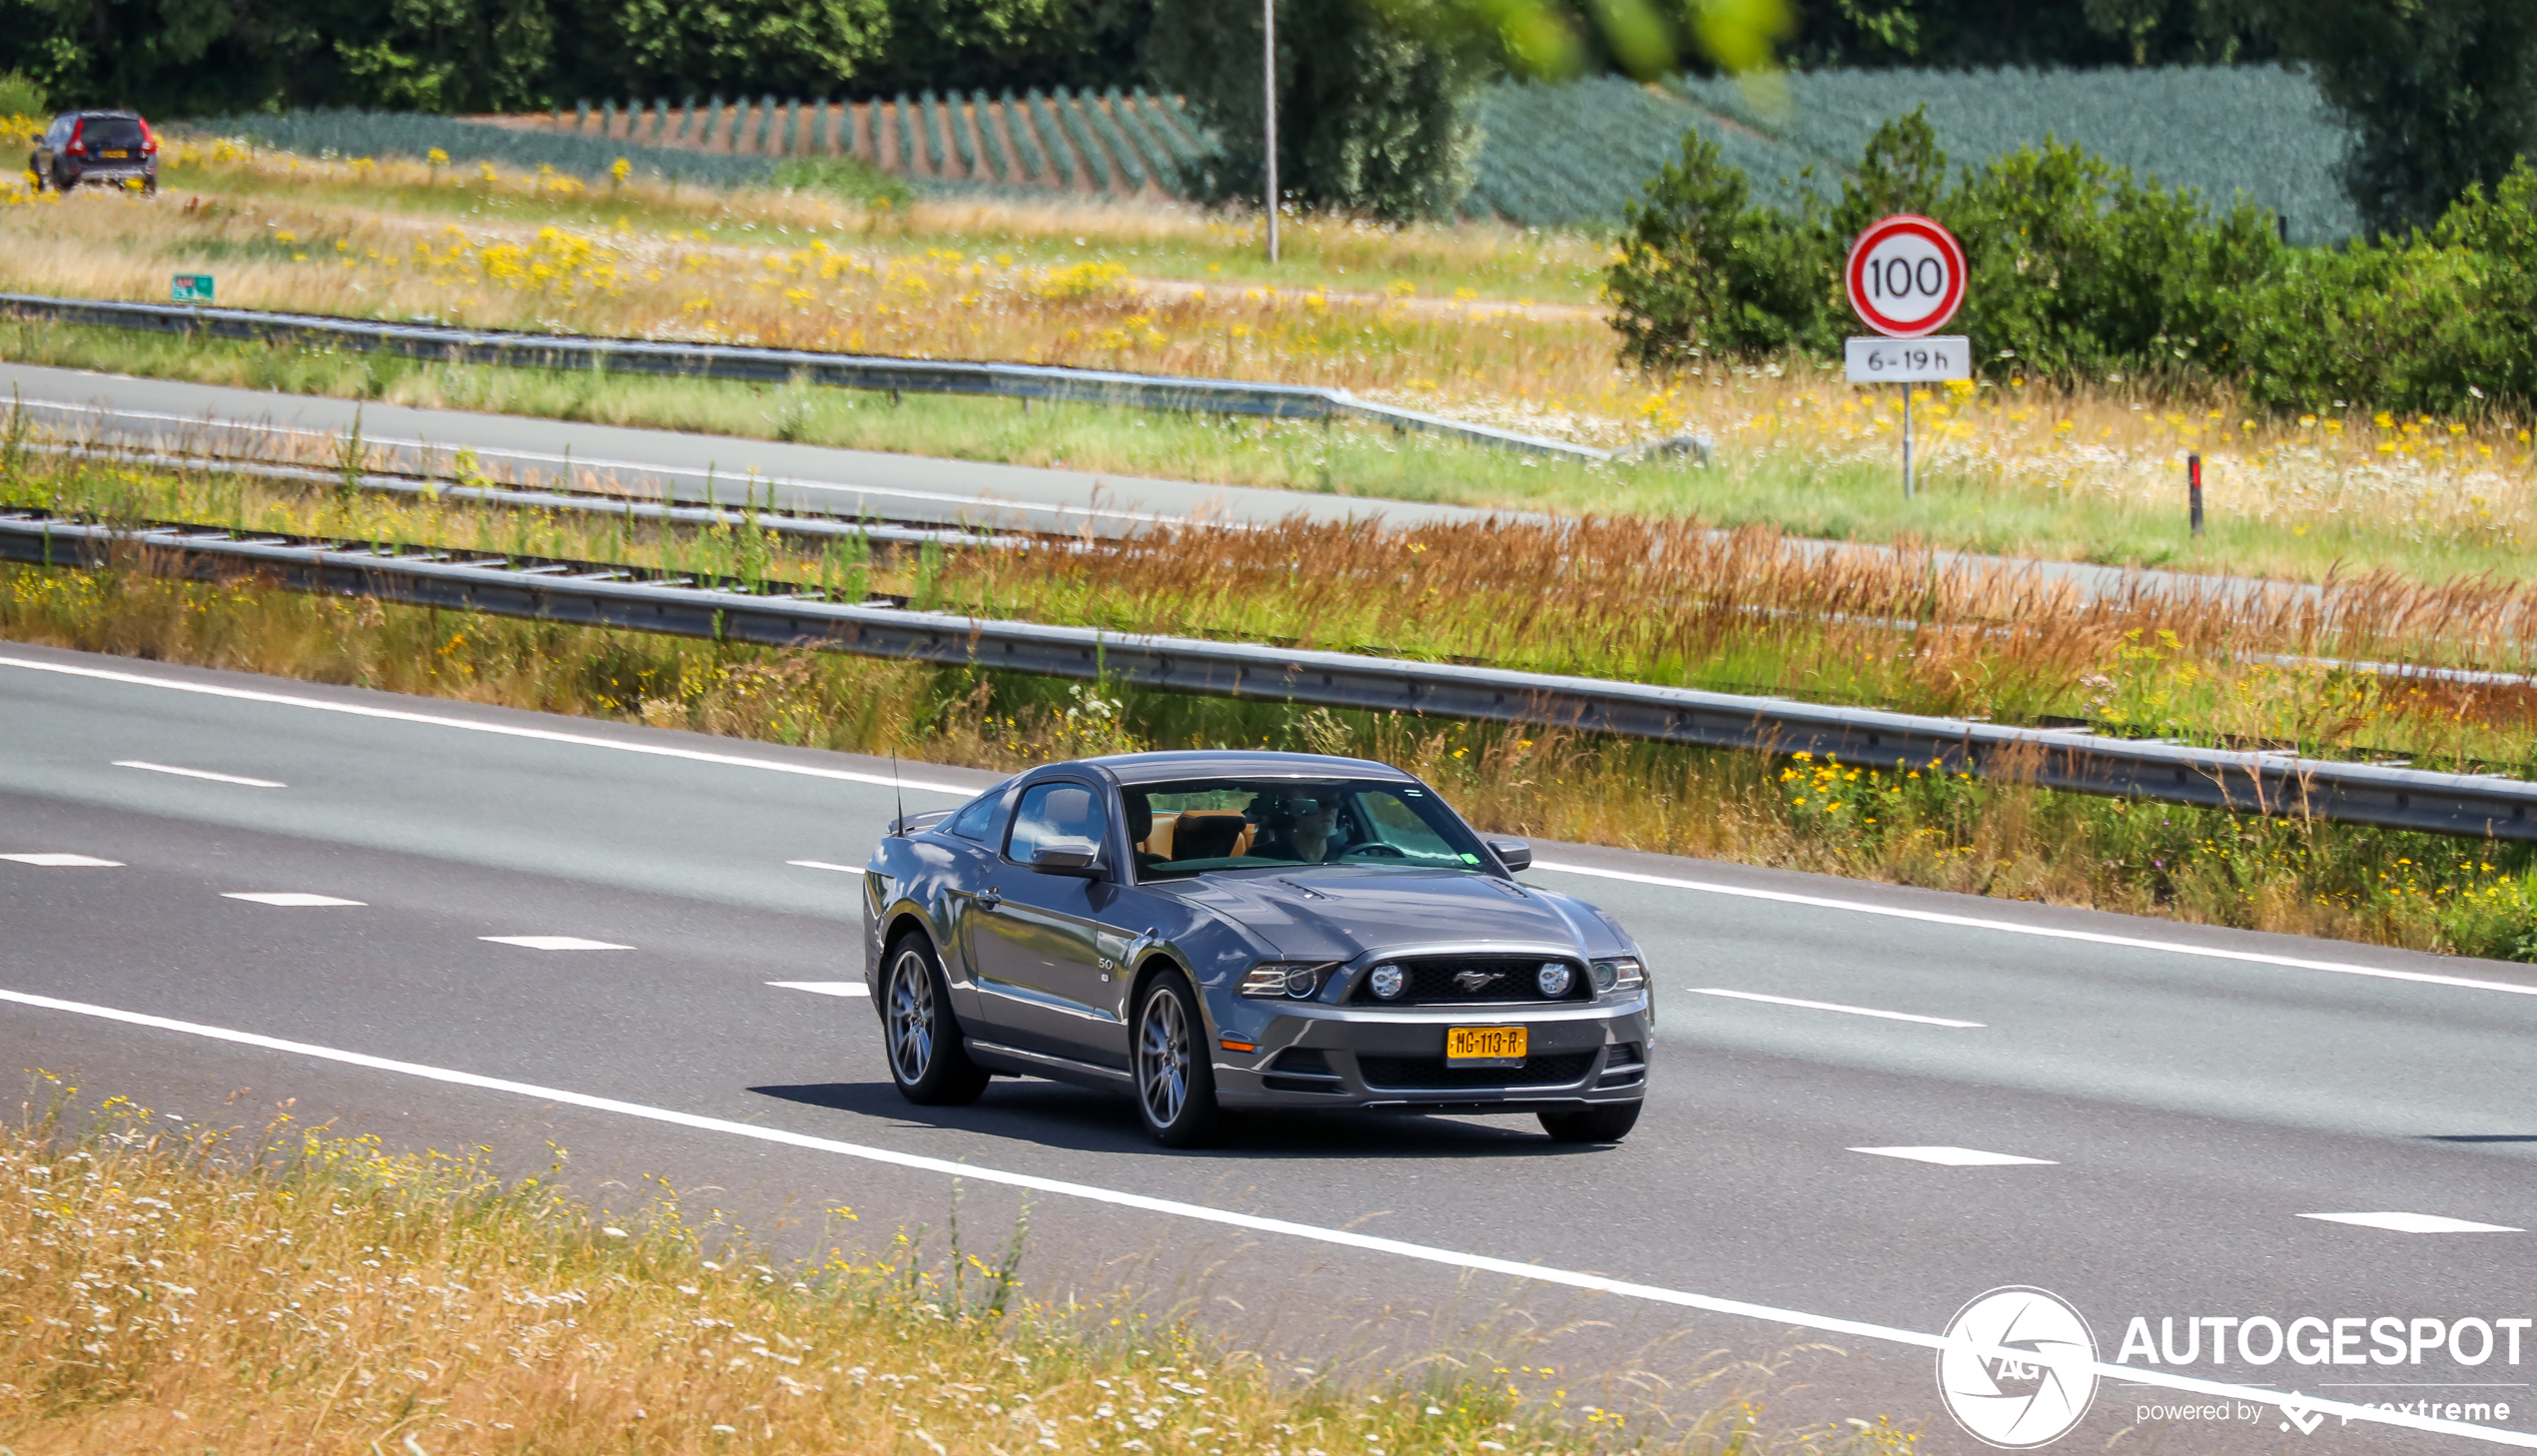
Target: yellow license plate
x,y
114,156
1484,1044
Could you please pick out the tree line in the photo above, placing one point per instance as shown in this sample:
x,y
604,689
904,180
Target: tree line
x,y
1378,96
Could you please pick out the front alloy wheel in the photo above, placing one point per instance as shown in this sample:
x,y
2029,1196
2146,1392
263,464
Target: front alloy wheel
x,y
1175,1089
926,1056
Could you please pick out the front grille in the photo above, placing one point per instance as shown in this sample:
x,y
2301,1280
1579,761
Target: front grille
x,y
1433,982
1425,1073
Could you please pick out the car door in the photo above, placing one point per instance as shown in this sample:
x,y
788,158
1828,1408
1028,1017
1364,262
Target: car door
x,y
1046,948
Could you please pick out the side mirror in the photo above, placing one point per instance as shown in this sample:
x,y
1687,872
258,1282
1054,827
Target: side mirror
x,y
1066,857
1516,854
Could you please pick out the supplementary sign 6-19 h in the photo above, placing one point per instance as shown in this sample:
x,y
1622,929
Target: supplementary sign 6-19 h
x,y
1910,360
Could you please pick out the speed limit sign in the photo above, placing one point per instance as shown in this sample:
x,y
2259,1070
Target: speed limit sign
x,y
1906,276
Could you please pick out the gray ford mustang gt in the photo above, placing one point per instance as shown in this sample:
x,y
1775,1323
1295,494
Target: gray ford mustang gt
x,y
1217,931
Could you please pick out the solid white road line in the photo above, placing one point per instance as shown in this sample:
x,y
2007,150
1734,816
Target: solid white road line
x,y
285,897
554,943
826,988
2052,933
2412,1222
1201,1214
435,721
1832,1006
65,862
1960,1157
824,865
169,768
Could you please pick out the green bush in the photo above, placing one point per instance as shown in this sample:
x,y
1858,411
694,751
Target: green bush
x,y
2079,270
20,96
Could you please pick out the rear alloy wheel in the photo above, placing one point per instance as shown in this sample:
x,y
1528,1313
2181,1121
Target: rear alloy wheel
x,y
1609,1123
1176,1086
921,1036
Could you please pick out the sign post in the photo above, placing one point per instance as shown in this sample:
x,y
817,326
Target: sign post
x,y
1906,278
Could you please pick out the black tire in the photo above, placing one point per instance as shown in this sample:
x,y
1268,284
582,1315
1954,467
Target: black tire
x,y
920,1037
1175,1080
1609,1123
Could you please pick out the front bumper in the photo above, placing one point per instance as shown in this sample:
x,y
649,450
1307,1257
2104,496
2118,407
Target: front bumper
x,y
1317,1055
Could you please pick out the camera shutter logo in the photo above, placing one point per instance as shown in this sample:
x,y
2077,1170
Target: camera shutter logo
x,y
2019,1369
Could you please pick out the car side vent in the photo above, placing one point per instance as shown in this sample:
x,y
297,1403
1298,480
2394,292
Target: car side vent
x,y
1301,1070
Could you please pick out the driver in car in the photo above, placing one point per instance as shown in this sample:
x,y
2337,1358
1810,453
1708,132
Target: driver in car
x,y
1299,829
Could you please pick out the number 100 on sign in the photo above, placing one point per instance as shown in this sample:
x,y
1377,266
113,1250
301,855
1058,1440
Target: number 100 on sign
x,y
1910,360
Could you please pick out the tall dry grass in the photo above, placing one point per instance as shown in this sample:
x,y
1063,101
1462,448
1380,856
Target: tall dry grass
x,y
170,1287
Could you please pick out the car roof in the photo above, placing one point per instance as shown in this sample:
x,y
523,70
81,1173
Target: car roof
x,y
98,112
1157,768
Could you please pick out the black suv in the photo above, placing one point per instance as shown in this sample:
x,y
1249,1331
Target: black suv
x,y
107,148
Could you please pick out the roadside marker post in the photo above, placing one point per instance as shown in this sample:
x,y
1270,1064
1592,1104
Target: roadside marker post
x,y
1906,278
2194,488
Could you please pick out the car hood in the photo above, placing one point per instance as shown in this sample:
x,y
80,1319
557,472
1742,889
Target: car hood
x,y
1340,912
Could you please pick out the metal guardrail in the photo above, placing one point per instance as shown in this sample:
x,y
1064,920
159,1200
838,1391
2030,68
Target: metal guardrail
x,y
780,365
600,595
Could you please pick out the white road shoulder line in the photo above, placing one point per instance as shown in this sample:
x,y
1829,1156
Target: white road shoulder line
x,y
435,721
554,943
1199,1212
2052,933
285,898
65,862
1833,1005
2412,1222
826,988
192,773
823,865
1958,1157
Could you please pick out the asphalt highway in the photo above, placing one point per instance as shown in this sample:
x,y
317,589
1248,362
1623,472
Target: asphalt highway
x,y
1870,1105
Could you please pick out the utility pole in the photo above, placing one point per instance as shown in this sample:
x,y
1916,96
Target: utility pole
x,y
1268,94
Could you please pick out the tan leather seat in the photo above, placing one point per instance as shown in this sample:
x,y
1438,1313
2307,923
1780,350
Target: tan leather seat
x,y
1210,834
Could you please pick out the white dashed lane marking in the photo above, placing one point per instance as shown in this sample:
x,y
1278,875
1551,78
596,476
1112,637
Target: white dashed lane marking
x,y
190,773
1833,1006
293,898
2412,1222
825,987
1958,1157
824,865
554,943
65,862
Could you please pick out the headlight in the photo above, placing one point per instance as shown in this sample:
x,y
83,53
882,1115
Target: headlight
x,y
1554,978
1620,973
1296,983
1387,982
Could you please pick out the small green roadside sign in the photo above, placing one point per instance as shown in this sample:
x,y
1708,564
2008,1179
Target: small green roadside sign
x,y
192,288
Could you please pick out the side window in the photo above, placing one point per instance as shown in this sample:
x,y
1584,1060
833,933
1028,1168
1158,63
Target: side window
x,y
1053,811
978,821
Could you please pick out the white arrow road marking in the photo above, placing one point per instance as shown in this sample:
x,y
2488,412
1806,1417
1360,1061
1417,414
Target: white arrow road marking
x,y
285,897
1201,1214
1958,1156
826,988
190,773
2412,1222
554,943
1832,1006
65,862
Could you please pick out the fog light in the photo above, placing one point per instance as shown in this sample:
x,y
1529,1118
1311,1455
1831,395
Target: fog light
x,y
1554,978
1387,982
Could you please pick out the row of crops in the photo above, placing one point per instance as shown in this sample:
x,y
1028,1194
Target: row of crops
x,y
1118,143
1565,155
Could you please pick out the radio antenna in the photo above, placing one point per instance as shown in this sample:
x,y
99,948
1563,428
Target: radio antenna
x,y
900,826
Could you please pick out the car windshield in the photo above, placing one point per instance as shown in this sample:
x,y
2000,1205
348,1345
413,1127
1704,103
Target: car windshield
x,y
1194,825
119,132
